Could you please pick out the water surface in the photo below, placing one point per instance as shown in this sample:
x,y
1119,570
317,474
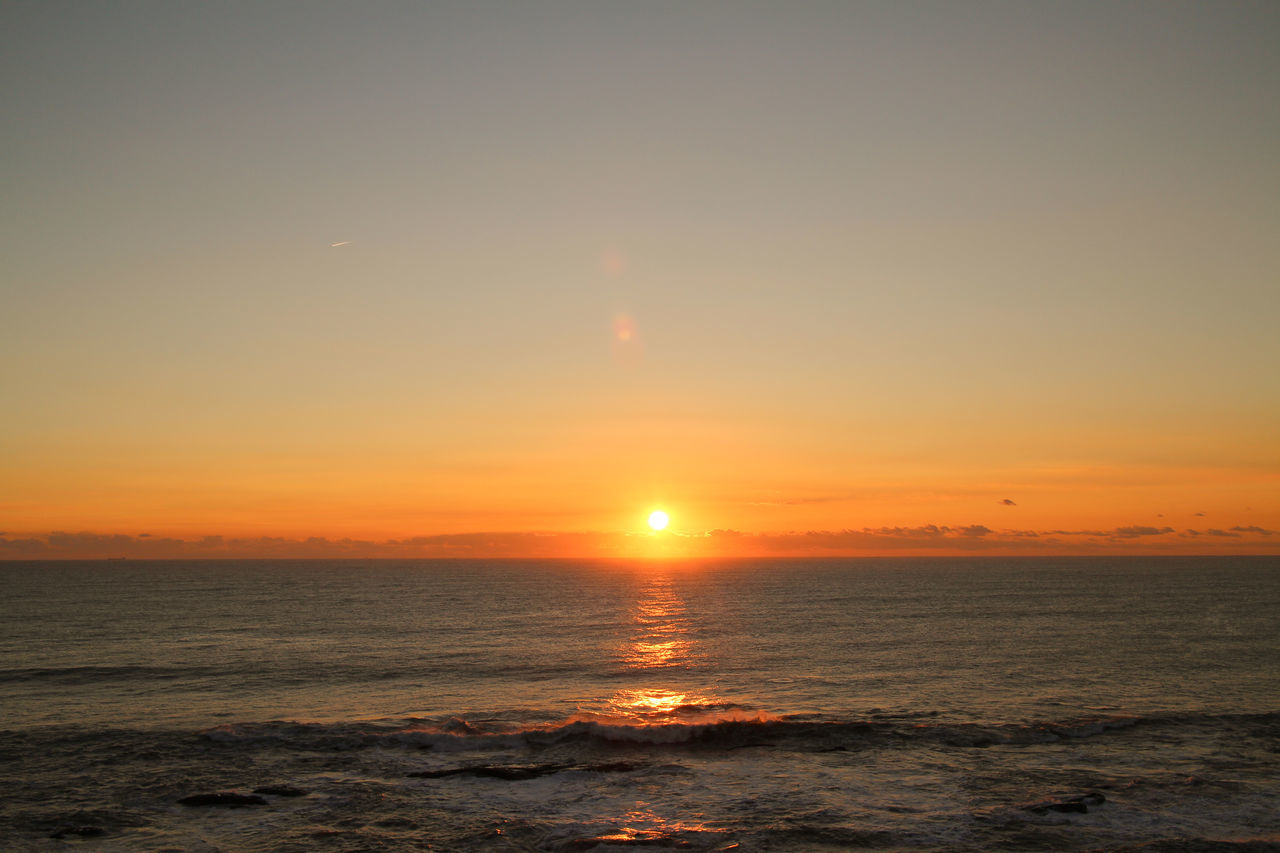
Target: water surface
x,y
773,704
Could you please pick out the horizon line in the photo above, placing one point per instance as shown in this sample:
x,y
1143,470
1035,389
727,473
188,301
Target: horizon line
x,y
930,540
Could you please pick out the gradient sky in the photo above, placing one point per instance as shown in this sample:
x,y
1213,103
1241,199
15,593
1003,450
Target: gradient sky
x,y
410,273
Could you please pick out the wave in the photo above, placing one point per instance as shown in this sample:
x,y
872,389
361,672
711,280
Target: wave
x,y
93,674
727,729
234,674
732,733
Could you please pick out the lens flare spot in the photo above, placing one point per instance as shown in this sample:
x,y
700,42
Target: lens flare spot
x,y
624,328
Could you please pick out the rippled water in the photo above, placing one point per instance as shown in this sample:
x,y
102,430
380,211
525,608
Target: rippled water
x,y
772,705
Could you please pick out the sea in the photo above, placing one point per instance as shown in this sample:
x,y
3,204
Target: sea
x,y
968,704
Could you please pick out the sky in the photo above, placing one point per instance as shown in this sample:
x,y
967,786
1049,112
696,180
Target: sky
x,y
499,279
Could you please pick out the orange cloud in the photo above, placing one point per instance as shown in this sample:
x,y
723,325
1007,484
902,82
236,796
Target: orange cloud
x,y
928,539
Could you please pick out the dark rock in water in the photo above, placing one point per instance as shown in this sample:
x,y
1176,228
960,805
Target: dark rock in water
x,y
80,831
228,799
513,772
280,791
519,772
1193,845
611,767
1078,805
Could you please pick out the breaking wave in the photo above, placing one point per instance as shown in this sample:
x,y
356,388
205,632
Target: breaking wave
x,y
732,729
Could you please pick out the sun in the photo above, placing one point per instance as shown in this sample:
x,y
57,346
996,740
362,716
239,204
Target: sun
x,y
658,519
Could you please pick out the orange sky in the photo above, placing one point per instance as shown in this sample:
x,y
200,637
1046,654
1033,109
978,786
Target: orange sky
x,y
945,278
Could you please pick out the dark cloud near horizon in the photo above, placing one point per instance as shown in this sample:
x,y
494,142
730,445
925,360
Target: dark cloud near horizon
x,y
927,538
1141,530
88,545
1008,502
1077,533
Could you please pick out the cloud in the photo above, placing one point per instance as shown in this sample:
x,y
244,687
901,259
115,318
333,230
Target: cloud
x,y
1140,530
921,539
1199,515
88,545
1008,502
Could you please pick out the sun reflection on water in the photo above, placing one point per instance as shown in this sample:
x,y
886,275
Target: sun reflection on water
x,y
662,641
643,826
663,636
656,655
660,705
651,702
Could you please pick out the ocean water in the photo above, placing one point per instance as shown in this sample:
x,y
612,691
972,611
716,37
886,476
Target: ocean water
x,y
907,704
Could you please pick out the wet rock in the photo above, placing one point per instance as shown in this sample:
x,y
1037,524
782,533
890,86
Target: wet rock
x,y
609,767
280,791
79,832
225,798
1078,805
512,772
519,772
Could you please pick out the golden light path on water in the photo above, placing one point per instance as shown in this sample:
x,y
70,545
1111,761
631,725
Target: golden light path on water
x,y
663,629
662,642
643,826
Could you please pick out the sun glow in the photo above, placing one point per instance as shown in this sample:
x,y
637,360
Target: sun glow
x,y
658,519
